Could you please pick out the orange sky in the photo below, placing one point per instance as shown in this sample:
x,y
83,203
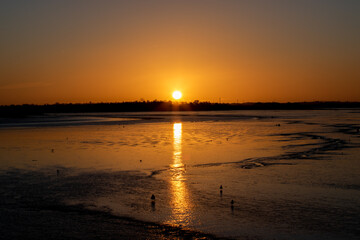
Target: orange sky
x,y
234,50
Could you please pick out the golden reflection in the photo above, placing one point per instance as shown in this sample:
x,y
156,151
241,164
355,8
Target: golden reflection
x,y
180,200
177,146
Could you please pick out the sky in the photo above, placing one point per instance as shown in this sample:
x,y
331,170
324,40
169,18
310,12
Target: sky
x,y
237,51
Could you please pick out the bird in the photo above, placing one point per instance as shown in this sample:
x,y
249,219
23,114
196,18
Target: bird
x,y
153,202
232,205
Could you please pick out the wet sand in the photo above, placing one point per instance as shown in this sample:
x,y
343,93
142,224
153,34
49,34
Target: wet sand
x,y
75,222
31,208
292,175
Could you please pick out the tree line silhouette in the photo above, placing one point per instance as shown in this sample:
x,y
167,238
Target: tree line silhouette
x,y
146,106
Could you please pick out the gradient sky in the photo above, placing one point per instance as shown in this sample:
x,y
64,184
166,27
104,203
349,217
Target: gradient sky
x,y
246,51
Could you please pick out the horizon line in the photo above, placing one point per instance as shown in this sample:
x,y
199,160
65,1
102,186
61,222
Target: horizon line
x,y
177,102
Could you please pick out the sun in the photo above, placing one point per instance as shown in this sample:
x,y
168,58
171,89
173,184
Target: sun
x,y
177,95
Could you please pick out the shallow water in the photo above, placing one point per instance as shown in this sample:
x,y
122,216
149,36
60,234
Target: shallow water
x,y
291,174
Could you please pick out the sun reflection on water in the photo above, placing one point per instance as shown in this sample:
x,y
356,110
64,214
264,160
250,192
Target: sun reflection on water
x,y
179,199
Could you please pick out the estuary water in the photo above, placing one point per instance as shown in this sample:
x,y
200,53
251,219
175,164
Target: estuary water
x,y
290,174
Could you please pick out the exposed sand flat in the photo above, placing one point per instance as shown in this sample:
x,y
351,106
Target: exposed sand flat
x,y
284,175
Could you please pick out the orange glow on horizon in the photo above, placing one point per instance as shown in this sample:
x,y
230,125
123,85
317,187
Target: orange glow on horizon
x,y
130,51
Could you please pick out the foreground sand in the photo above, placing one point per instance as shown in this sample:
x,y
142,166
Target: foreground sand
x,y
77,223
30,210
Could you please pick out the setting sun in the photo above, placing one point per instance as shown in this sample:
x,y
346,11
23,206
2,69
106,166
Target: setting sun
x,y
177,95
